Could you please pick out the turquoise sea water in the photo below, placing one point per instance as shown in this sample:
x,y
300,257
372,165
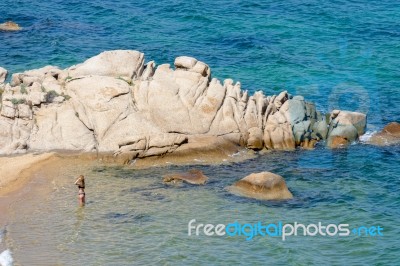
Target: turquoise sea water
x,y
339,54
348,48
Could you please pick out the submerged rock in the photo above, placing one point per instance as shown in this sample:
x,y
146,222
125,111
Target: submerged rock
x,y
10,26
390,135
338,142
263,186
195,177
392,129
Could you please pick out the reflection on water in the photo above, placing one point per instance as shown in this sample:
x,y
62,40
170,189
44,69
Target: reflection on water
x,y
131,217
80,216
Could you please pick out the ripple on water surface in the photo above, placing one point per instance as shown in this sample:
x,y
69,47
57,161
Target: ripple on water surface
x,y
132,217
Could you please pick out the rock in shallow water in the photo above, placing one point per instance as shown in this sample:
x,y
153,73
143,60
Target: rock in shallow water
x,y
392,129
10,26
345,127
195,177
390,135
263,186
338,142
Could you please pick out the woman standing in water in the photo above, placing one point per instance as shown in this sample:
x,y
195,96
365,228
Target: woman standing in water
x,y
80,182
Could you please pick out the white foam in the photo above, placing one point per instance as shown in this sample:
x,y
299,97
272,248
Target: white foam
x,y
6,258
235,154
367,136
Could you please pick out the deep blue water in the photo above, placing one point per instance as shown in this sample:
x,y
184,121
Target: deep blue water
x,y
339,54
350,49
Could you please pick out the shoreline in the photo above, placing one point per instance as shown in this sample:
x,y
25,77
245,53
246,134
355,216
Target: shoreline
x,y
21,180
45,180
15,171
19,173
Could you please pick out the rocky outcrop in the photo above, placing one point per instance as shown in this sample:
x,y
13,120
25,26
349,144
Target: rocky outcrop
x,y
263,186
116,103
10,26
390,135
125,65
194,177
3,75
392,129
345,128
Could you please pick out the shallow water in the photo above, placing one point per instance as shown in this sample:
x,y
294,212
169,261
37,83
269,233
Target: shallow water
x,y
131,217
339,54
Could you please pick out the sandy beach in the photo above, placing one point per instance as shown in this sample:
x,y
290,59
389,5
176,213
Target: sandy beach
x,y
16,170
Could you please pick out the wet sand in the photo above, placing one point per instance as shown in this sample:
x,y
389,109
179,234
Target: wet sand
x,y
16,170
26,175
28,183
29,175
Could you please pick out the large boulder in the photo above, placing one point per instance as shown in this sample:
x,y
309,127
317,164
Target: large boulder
x,y
191,64
345,127
125,64
233,120
3,75
141,144
295,111
14,134
255,140
104,105
28,78
182,101
338,142
301,115
10,26
195,177
392,129
279,137
390,135
60,128
8,109
101,103
320,128
289,123
278,131
263,186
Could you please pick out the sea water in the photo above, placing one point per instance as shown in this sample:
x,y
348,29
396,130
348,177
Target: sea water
x,y
338,54
132,217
